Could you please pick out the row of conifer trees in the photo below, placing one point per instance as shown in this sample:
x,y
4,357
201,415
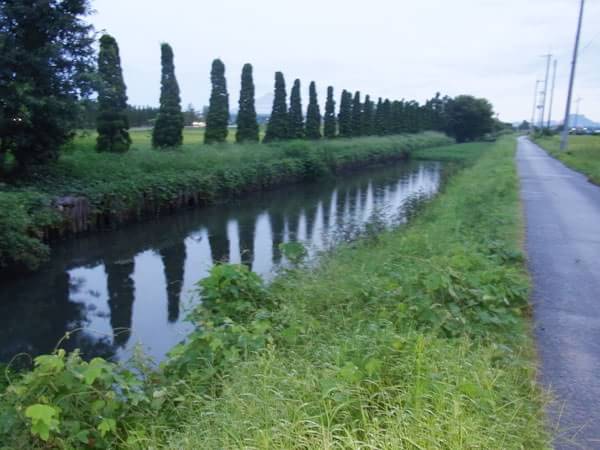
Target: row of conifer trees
x,y
355,117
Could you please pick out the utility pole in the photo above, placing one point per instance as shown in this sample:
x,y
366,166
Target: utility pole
x,y
552,93
565,134
535,97
548,58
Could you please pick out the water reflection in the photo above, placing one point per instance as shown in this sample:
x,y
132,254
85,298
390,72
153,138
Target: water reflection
x,y
131,286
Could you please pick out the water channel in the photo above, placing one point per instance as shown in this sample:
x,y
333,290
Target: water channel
x,y
132,286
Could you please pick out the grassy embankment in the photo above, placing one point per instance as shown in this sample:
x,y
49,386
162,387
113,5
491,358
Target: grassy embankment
x,y
416,338
124,187
583,154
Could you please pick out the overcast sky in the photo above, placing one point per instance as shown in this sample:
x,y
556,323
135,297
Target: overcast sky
x,y
388,48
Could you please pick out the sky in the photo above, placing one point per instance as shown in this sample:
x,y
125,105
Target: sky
x,y
386,48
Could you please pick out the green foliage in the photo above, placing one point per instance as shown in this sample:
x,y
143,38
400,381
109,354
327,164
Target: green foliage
x,y
233,319
247,126
294,252
356,115
296,126
329,124
278,126
345,114
24,214
112,124
386,117
66,402
469,118
313,114
427,348
39,103
119,185
367,120
354,360
232,292
217,118
168,129
379,125
524,126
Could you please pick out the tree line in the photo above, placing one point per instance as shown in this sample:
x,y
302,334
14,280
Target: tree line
x,y
356,116
47,65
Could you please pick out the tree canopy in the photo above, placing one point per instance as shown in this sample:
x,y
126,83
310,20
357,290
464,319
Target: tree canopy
x,y
217,118
168,129
345,114
329,127
277,128
247,125
469,118
46,63
112,122
313,114
356,115
296,126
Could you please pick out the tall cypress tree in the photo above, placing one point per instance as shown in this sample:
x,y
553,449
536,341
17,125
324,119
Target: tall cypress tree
x,y
277,128
329,119
217,117
412,119
168,129
387,116
367,120
402,126
296,126
379,126
313,114
345,114
112,120
356,115
396,112
247,126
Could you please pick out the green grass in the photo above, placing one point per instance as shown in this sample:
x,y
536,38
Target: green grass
x,y
417,338
367,364
143,181
142,138
583,154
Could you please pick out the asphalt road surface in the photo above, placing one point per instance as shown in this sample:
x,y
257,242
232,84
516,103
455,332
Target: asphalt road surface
x,y
562,213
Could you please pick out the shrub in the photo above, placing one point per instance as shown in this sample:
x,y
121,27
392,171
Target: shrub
x,y
65,402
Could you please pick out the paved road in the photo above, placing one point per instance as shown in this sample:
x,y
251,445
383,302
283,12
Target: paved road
x,y
562,212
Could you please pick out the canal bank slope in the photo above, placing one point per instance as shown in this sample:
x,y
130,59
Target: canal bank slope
x,y
415,338
87,191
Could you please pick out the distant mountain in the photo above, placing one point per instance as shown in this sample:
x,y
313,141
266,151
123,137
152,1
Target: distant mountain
x,y
582,121
578,120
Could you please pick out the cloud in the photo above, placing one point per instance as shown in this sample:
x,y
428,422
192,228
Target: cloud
x,y
396,49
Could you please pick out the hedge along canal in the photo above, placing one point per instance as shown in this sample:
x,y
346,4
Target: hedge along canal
x,y
114,290
86,191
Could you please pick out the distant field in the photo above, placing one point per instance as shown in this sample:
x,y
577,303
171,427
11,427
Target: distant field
x,y
583,154
142,137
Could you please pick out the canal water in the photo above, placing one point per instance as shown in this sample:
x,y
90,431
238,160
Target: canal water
x,y
112,291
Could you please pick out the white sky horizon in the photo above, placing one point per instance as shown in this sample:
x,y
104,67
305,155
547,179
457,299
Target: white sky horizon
x,y
385,48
